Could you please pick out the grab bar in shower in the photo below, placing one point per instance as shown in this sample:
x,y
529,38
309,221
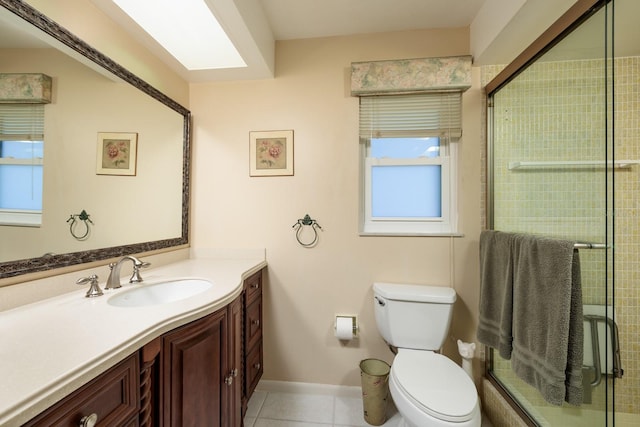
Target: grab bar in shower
x,y
617,370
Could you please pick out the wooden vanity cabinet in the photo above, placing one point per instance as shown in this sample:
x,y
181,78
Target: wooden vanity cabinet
x,y
191,375
200,374
112,396
208,368
252,342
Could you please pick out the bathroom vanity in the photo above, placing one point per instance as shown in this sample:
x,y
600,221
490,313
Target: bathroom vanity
x,y
194,361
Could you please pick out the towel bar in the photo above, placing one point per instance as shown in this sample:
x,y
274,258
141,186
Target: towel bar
x,y
618,164
582,245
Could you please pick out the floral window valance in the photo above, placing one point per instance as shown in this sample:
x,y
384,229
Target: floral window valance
x,y
25,88
411,75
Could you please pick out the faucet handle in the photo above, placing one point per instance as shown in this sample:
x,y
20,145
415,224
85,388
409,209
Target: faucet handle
x,y
94,288
136,277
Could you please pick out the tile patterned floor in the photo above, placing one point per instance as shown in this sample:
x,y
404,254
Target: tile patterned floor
x,y
278,409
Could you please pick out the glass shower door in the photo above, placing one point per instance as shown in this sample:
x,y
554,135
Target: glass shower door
x,y
555,172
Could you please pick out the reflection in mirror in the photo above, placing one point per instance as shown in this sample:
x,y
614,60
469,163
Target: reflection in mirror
x,y
93,96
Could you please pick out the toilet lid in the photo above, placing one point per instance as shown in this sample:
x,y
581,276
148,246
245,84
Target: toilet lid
x,y
436,384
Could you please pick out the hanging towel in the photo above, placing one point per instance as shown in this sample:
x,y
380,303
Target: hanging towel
x,y
547,318
496,290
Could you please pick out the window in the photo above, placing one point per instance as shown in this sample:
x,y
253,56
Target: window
x,y
408,145
21,159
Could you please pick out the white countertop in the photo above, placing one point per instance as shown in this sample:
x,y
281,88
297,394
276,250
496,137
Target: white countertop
x,y
50,348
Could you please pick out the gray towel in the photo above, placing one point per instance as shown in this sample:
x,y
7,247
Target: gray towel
x,y
547,320
496,291
531,310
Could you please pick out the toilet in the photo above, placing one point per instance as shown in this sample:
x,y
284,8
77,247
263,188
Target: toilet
x,y
428,388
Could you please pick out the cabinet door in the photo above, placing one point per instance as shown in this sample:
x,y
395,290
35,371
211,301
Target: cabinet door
x,y
194,368
253,326
253,368
253,287
234,376
113,397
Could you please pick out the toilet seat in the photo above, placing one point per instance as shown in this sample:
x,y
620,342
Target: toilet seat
x,y
435,384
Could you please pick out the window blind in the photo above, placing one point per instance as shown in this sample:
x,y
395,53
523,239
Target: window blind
x,y
21,122
428,114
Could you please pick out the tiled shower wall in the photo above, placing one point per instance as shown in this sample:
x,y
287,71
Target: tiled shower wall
x,y
627,233
555,111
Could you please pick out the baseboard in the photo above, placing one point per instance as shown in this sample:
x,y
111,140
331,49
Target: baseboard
x,y
308,388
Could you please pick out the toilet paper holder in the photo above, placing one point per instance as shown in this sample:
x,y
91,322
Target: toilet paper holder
x,y
346,327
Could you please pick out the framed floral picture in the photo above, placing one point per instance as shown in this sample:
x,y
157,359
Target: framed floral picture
x,y
117,153
271,153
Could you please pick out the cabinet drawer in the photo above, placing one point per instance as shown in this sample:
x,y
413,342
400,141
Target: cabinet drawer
x,y
253,286
253,324
113,397
253,368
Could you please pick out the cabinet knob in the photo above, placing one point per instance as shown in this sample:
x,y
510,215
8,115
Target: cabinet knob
x,y
228,380
257,366
89,420
234,372
256,322
255,285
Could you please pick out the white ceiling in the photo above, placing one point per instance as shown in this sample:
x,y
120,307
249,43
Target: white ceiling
x,y
299,19
255,25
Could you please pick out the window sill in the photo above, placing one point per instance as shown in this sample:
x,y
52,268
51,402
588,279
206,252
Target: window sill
x,y
21,218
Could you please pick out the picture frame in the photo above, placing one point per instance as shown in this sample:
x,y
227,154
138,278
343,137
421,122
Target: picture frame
x,y
271,153
117,153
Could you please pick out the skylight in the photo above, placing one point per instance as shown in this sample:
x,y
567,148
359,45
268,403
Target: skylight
x,y
187,29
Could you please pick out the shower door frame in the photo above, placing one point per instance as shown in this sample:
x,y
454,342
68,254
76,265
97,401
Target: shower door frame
x,y
570,20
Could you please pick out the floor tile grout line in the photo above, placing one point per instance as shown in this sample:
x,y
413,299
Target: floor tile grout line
x,y
315,423
333,414
266,394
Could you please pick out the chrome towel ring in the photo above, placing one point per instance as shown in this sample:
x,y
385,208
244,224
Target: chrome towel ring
x,y
299,226
73,219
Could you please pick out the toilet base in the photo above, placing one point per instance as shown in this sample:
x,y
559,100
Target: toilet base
x,y
412,416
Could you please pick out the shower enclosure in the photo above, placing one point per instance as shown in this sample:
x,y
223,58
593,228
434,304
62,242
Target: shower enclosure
x,y
564,161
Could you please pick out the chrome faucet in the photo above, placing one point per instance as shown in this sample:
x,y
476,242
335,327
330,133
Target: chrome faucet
x,y
113,282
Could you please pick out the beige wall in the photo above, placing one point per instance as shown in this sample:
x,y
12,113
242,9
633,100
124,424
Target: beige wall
x,y
307,287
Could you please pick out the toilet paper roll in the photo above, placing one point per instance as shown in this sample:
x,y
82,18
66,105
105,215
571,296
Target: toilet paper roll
x,y
344,328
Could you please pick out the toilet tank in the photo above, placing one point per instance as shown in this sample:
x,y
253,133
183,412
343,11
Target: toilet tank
x,y
413,316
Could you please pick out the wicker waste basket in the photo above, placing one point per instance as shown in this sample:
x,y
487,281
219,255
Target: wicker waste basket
x,y
374,375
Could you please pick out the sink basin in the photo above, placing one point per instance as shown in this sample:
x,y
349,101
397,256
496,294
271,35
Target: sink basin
x,y
160,293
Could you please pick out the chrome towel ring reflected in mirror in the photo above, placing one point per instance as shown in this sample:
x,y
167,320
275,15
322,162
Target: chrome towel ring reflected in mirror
x,y
73,219
299,226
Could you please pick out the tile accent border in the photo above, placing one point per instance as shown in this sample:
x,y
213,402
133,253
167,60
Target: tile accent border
x,y
497,409
411,75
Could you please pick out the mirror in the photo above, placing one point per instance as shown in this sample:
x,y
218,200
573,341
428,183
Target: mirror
x,y
93,95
